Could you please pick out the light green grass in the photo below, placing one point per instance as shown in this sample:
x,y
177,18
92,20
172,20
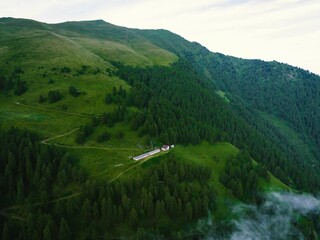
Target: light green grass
x,y
136,53
216,156
213,156
223,96
293,138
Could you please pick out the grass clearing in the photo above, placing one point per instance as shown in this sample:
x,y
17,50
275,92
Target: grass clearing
x,y
216,156
213,156
293,138
223,96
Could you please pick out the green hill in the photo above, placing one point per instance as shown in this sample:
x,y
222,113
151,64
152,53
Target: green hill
x,y
95,95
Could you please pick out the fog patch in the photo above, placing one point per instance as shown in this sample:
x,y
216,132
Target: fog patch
x,y
275,218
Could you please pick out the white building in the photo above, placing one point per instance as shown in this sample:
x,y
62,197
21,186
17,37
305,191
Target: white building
x,y
147,154
165,148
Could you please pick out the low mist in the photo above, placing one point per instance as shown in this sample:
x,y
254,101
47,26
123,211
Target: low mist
x,y
275,218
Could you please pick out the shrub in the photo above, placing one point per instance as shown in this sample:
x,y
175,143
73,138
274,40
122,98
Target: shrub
x,y
105,136
54,96
73,91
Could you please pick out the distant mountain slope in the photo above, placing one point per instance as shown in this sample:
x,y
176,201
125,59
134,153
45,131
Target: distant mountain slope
x,y
285,92
94,42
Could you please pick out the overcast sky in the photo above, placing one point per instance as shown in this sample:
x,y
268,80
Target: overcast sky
x,y
283,30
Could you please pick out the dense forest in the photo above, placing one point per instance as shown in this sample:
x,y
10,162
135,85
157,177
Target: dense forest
x,y
44,195
289,93
13,82
241,177
178,105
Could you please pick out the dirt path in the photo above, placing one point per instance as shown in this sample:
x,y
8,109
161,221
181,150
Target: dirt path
x,y
59,136
52,110
91,147
3,211
46,141
139,163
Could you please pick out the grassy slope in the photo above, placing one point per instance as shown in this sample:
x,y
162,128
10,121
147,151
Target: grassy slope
x,y
292,136
41,51
215,156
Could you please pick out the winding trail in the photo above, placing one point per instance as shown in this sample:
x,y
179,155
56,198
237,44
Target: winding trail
x,y
52,110
59,136
46,141
120,174
3,211
91,147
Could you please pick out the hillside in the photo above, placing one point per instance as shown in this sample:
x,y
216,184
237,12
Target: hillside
x,y
88,96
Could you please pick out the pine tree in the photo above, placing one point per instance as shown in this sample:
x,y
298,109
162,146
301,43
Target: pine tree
x,y
188,212
47,234
64,230
5,232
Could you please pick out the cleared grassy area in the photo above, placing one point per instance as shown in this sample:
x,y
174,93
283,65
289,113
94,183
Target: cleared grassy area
x,y
216,156
213,156
223,96
135,52
292,136
57,56
105,160
46,123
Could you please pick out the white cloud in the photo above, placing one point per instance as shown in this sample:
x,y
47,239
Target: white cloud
x,y
282,30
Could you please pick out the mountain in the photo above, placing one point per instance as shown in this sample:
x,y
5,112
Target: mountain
x,y
78,100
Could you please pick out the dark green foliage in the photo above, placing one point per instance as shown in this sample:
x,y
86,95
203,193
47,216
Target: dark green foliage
x,y
31,175
118,115
42,99
54,96
117,96
170,189
108,98
13,82
5,232
64,230
5,83
179,105
73,91
289,93
176,100
84,132
241,177
120,134
20,87
262,171
82,70
37,174
65,70
105,136
94,121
